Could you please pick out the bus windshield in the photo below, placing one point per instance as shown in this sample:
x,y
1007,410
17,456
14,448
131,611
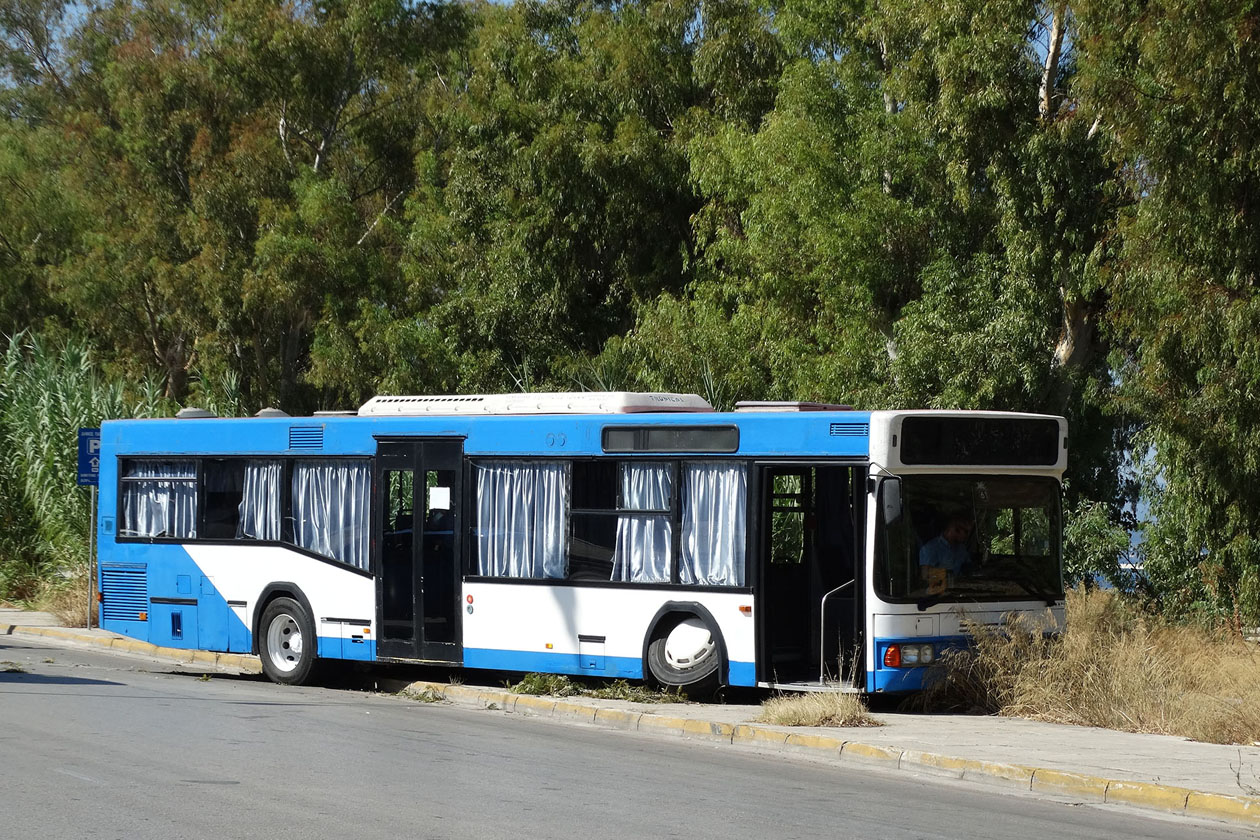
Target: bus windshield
x,y
971,538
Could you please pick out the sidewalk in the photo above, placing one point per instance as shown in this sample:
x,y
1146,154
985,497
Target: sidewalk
x,y
1157,772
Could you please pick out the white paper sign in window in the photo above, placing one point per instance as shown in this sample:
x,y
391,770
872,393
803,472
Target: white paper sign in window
x,y
439,498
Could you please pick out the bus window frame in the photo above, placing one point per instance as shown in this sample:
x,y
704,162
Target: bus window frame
x,y
286,530
676,463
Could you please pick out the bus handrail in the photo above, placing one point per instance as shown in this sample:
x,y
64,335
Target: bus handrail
x,y
822,631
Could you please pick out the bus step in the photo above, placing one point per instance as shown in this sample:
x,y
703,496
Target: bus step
x,y
812,685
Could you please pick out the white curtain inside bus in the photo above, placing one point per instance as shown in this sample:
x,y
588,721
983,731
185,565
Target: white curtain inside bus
x,y
261,506
160,499
331,512
713,524
644,541
522,521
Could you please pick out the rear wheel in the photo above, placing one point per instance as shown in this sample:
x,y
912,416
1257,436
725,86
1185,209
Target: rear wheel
x,y
288,642
684,654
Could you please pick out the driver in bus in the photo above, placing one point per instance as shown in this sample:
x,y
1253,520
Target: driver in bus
x,y
945,555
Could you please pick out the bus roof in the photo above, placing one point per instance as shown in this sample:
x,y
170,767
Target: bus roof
x,y
616,424
816,434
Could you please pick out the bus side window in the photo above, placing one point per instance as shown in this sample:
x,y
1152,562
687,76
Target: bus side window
x,y
644,546
594,528
330,500
714,523
261,500
158,499
520,516
223,482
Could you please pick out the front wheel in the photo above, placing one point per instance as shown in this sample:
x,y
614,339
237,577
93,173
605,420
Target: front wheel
x,y
287,646
684,654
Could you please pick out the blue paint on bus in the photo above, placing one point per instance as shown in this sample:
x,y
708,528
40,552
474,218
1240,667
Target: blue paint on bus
x,y
818,434
184,608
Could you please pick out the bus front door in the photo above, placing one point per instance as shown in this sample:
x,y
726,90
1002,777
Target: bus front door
x,y
811,535
417,542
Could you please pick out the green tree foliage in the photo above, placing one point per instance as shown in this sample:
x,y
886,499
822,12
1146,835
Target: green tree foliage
x,y
37,212
1093,544
39,218
334,95
241,165
553,194
1178,85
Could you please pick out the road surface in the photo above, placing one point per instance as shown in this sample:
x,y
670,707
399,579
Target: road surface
x,y
95,745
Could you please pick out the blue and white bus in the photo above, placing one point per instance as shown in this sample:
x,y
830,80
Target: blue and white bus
x,y
645,536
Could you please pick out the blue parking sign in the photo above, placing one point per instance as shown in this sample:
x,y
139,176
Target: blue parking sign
x,y
89,456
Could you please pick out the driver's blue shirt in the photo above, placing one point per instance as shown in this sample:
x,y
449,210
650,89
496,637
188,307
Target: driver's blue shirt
x,y
939,553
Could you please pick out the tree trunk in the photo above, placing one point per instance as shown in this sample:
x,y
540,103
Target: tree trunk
x,y
1047,107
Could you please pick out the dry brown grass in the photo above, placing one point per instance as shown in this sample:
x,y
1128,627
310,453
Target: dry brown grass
x,y
817,709
1114,667
68,600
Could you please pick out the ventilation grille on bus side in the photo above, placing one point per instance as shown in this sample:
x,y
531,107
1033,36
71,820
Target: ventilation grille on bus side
x,y
849,430
307,438
124,593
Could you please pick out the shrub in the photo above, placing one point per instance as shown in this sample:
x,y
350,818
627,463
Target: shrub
x,y
559,685
553,685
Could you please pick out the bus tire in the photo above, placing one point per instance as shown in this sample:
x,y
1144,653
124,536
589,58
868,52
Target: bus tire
x,y
684,653
288,643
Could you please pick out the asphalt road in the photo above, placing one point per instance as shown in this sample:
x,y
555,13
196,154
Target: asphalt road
x,y
100,746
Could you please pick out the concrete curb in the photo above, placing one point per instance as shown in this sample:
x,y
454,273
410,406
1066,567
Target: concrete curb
x,y
240,661
1238,810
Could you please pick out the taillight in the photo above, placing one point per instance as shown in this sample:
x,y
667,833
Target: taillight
x,y
909,656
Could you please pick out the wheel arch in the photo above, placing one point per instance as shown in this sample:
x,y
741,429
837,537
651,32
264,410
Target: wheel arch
x,y
272,591
686,609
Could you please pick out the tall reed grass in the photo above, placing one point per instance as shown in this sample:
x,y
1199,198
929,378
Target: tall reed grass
x,y
47,392
1115,666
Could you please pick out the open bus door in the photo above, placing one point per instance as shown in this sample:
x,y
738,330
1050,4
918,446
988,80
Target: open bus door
x,y
810,572
417,543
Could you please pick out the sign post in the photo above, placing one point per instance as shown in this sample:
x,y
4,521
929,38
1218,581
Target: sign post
x,y
89,474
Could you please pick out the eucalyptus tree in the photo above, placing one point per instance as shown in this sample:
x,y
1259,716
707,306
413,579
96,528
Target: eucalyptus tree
x,y
238,168
1177,85
923,205
135,120
37,216
321,170
553,194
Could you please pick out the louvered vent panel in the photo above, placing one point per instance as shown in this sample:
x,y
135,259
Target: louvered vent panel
x,y
849,430
124,593
306,438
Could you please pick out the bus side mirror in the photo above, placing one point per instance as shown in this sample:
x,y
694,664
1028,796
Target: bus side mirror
x,y
890,498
